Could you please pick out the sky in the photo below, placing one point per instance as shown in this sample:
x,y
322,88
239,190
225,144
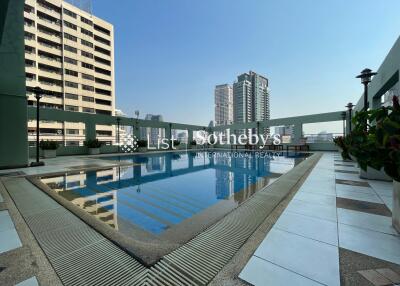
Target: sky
x,y
170,54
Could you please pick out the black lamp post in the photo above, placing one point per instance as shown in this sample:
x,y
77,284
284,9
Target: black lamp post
x,y
118,139
344,122
365,76
350,109
38,95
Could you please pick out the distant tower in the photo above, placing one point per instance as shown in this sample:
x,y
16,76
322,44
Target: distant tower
x,y
251,99
223,96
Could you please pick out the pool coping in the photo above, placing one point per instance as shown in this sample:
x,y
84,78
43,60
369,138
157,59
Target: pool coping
x,y
151,251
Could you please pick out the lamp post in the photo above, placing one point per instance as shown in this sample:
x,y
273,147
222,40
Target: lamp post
x,y
118,122
350,109
38,95
344,122
365,76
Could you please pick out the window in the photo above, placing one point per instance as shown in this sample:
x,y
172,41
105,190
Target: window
x,y
70,25
102,30
70,37
29,36
71,96
100,111
103,81
87,109
102,40
72,143
87,98
102,71
69,13
71,84
70,61
30,76
72,131
104,133
72,108
103,102
30,63
29,9
86,54
103,91
86,21
87,66
71,49
86,32
71,73
103,61
87,76
86,43
103,51
87,87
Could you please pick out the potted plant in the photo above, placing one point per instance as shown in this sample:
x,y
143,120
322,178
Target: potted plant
x,y
49,148
363,146
93,146
175,143
142,145
342,146
388,141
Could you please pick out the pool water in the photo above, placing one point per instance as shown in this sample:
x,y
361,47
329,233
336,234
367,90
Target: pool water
x,y
163,190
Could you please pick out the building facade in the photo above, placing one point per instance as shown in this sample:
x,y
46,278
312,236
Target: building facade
x,y
153,134
223,98
251,99
69,53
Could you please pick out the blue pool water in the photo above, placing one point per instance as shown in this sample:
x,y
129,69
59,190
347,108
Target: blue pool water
x,y
163,190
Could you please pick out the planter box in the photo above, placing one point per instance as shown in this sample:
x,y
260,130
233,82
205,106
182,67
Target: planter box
x,y
373,174
49,153
94,151
396,206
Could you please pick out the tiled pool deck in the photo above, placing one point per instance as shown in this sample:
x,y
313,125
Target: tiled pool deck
x,y
335,231
333,211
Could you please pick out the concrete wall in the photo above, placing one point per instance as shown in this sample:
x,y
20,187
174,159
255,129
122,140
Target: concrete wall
x,y
13,115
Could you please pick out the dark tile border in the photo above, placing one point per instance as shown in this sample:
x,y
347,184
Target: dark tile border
x,y
353,183
362,206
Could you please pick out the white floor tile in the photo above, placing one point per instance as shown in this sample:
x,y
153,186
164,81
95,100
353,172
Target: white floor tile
x,y
358,189
381,185
388,202
29,282
315,260
313,210
317,198
5,221
314,228
352,177
372,243
259,272
359,196
368,221
9,240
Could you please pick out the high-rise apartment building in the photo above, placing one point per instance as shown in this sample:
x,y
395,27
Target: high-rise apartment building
x,y
223,96
251,99
153,134
69,53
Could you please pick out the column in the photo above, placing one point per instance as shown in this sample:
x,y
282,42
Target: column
x,y
90,130
13,103
297,132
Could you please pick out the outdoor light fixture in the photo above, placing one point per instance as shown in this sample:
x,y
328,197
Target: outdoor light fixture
x,y
365,76
350,108
344,121
38,95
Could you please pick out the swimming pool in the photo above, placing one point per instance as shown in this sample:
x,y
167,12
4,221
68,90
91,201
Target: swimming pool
x,y
170,194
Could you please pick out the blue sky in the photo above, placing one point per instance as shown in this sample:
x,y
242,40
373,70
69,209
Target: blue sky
x,y
171,53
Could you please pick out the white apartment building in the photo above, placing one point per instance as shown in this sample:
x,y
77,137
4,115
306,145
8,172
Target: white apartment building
x,y
223,96
69,53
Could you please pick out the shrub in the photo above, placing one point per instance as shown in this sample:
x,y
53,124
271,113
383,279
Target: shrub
x,y
193,143
142,143
48,145
93,143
